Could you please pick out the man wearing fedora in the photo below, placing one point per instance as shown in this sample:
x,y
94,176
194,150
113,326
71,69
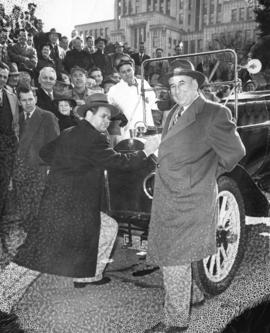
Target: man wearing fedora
x,y
100,58
199,140
57,53
13,78
71,235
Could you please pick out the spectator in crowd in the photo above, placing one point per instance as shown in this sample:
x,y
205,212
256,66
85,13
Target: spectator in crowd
x,y
45,93
4,54
15,21
9,134
77,56
23,55
249,86
13,78
37,127
108,82
40,37
101,59
44,60
62,87
4,18
90,82
177,50
30,39
32,10
71,204
158,69
199,139
79,92
115,75
90,45
96,74
65,115
64,43
117,55
206,89
126,95
139,58
57,53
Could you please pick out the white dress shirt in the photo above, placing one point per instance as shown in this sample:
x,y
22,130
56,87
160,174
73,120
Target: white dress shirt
x,y
129,100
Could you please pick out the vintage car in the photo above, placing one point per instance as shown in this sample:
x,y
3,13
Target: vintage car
x,y
241,191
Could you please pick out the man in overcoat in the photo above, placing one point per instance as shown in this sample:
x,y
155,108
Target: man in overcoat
x,y
199,139
37,127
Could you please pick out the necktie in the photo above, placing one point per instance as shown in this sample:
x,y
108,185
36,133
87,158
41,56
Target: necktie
x,y
27,116
176,116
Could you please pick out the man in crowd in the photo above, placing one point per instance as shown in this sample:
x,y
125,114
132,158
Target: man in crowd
x,y
101,59
37,127
139,58
9,134
128,97
158,69
90,45
45,94
13,78
57,53
22,54
116,56
199,141
77,56
64,43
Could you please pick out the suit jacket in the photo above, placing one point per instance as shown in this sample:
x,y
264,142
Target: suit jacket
x,y
138,61
102,61
44,101
17,54
13,102
184,211
40,129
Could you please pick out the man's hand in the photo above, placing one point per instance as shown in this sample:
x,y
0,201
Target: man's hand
x,y
151,144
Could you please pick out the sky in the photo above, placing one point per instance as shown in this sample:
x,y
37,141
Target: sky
x,y
65,14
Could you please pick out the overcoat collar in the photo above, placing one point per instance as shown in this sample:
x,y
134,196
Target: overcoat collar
x,y
34,124
188,117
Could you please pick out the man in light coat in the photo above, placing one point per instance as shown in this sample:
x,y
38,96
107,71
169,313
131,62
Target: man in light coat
x,y
199,138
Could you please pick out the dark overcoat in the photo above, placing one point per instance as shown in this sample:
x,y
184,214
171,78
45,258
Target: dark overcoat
x,y
64,239
184,215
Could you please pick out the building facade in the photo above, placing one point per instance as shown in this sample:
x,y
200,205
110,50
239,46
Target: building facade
x,y
195,25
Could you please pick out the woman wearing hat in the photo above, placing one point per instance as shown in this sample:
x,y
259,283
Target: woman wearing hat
x,y
65,113
71,236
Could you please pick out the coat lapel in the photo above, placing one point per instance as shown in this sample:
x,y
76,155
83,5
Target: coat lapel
x,y
32,128
186,120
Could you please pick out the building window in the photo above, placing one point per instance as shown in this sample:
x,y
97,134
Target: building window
x,y
181,18
149,5
189,5
205,19
137,6
204,7
248,35
161,6
181,4
155,5
130,9
192,46
106,32
101,32
96,33
189,19
241,14
234,15
170,42
125,7
219,17
168,7
199,45
250,13
212,18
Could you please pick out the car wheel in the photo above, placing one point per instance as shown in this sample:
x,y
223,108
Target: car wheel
x,y
215,273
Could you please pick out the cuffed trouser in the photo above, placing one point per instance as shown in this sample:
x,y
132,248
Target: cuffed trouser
x,y
180,293
107,236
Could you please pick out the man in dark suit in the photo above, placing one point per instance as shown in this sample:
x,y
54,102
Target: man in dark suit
x,y
199,141
45,93
9,134
100,58
139,58
37,127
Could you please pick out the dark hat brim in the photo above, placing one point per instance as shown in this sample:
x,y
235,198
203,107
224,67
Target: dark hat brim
x,y
85,107
100,39
60,99
200,77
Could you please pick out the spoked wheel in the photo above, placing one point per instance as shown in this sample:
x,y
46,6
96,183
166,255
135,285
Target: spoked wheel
x,y
215,273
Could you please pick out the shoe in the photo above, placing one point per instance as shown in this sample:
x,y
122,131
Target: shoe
x,y
160,327
145,271
198,304
95,283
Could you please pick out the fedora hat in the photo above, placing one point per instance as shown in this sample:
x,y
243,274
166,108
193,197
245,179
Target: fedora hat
x,y
101,39
94,100
53,31
185,67
13,69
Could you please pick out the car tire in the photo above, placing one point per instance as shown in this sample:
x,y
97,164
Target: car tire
x,y
215,273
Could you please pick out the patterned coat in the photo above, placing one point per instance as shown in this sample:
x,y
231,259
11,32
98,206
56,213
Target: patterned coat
x,y
64,237
183,220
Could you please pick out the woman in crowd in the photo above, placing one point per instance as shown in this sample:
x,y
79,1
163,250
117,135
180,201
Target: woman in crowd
x,y
65,113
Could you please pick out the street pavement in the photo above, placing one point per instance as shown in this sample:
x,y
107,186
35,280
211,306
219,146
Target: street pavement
x,y
131,304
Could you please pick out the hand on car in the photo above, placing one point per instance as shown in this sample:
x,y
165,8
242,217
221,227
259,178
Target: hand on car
x,y
151,144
